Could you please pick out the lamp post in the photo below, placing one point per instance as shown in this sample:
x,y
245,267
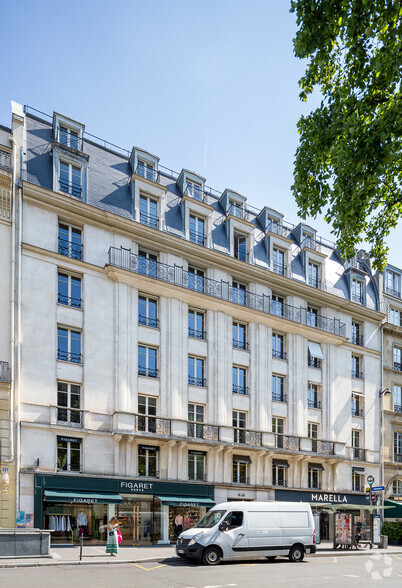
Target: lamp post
x,y
383,393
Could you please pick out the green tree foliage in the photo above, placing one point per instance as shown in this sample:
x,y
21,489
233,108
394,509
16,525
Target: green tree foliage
x,y
348,164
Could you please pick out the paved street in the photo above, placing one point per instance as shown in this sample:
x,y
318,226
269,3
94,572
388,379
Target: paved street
x,y
173,573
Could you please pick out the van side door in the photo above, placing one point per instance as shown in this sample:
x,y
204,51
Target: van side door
x,y
234,541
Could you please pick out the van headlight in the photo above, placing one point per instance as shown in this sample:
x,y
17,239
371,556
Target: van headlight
x,y
196,538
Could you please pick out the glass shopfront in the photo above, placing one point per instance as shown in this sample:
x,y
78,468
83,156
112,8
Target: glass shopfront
x,y
138,524
68,521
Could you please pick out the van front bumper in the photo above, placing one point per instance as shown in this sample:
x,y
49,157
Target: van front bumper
x,y
193,551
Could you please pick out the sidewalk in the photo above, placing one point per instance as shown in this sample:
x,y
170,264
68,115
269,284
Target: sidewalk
x,y
95,555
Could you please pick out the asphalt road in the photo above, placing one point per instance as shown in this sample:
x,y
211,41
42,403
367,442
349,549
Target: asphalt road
x,y
383,570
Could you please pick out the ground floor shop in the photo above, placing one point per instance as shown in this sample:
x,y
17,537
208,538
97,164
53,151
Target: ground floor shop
x,y
149,512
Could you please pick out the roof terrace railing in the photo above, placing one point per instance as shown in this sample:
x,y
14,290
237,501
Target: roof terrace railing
x,y
178,276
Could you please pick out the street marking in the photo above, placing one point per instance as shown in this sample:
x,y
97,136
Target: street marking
x,y
397,556
149,569
335,560
251,565
350,576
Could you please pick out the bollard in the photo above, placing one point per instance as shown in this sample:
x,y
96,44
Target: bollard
x,y
81,544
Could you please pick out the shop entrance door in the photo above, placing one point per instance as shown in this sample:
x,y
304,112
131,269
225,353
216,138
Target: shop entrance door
x,y
135,516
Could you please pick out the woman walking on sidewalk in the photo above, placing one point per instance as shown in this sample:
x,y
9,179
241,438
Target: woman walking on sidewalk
x,y
112,545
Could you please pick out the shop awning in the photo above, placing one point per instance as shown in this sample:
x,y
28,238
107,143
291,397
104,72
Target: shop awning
x,y
241,459
395,512
316,466
82,497
280,462
315,350
186,501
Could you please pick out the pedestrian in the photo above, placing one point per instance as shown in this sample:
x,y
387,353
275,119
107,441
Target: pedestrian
x,y
112,545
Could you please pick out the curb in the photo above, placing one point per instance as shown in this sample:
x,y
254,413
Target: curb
x,y
107,562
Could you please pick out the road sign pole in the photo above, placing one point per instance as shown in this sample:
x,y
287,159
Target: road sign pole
x,y
370,481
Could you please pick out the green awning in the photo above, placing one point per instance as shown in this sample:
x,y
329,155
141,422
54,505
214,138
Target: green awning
x,y
186,501
395,512
82,497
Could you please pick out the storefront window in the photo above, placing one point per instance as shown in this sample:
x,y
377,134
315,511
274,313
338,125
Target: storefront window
x,y
68,521
138,525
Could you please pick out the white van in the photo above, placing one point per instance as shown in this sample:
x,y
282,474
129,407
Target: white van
x,y
240,530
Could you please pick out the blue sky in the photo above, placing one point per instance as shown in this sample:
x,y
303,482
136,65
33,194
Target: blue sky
x,y
207,85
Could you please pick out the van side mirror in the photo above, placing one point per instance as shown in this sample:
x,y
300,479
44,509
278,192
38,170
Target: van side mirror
x,y
224,526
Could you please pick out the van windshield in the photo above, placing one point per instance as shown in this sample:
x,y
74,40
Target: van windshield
x,y
211,519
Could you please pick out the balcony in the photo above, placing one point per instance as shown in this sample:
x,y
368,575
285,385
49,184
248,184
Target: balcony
x,y
193,381
246,437
358,488
195,334
202,431
310,243
4,371
69,188
358,454
356,340
397,407
178,276
69,301
5,160
197,238
279,397
69,356
314,362
287,442
355,297
397,366
150,220
147,172
393,292
357,375
315,283
71,417
279,354
148,372
148,321
151,424
240,345
240,390
322,447
73,250
313,403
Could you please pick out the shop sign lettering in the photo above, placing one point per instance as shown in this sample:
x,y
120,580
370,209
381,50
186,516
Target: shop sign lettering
x,y
188,504
328,498
136,487
85,500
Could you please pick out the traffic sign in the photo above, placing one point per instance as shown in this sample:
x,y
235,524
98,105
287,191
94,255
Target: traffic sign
x,y
377,488
370,480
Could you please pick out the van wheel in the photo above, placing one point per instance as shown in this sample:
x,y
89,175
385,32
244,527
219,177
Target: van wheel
x,y
211,556
296,553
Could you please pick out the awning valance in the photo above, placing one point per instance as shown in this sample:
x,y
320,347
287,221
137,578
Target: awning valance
x,y
82,497
395,512
358,470
315,350
241,458
186,501
280,462
316,466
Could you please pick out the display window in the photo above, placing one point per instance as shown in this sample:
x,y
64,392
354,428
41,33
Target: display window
x,y
68,521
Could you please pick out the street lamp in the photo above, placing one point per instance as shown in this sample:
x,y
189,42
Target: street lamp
x,y
383,393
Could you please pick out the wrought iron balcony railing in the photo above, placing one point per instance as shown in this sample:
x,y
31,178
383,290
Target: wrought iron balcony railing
x,y
197,334
322,447
279,397
278,229
357,297
359,412
358,488
70,249
69,356
279,268
287,442
69,301
69,188
281,483
358,454
398,408
5,160
4,371
152,424
240,390
356,374
150,473
193,381
197,238
177,275
69,416
311,243
147,172
197,477
238,211
397,366
195,192
241,479
392,291
202,431
356,340
315,283
66,138
240,344
148,321
149,219
313,403
398,457
148,372
279,354
240,253
246,437
314,362
314,485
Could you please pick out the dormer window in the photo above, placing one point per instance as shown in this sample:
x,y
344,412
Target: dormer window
x,y
308,240
194,190
357,291
236,209
393,283
69,138
148,211
69,161
67,132
145,169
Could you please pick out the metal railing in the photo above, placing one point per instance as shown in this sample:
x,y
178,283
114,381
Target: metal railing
x,y
322,447
238,344
287,442
398,408
279,397
359,412
358,454
357,298
150,473
356,374
177,275
314,485
314,362
240,253
355,263
246,437
278,229
5,160
238,212
398,457
358,488
70,188
147,172
198,478
241,479
315,283
148,372
311,243
279,354
356,340
69,416
197,334
240,390
397,366
150,220
202,431
147,321
70,249
279,268
66,139
197,238
195,193
152,424
313,403
393,292
69,301
4,371
69,356
281,483
193,381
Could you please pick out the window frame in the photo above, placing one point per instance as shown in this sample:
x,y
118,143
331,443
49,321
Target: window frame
x,y
69,299
74,249
70,356
68,449
147,320
239,343
239,373
147,371
281,396
192,378
70,411
192,331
